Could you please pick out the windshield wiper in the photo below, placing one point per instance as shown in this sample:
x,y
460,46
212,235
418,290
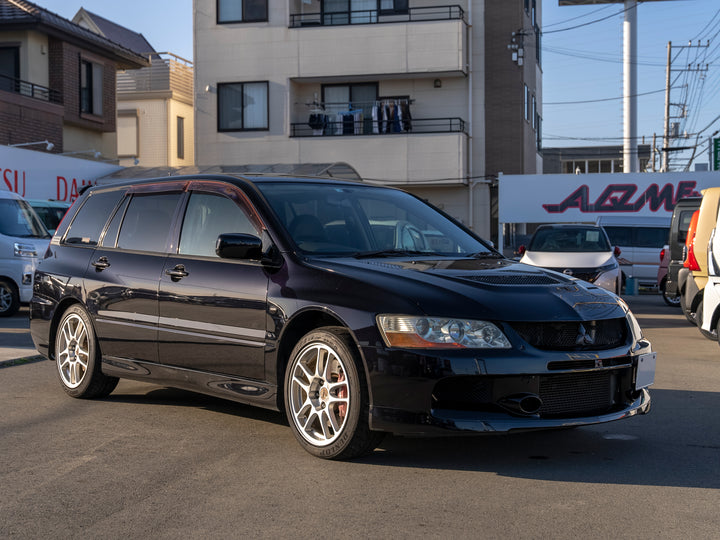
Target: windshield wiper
x,y
488,255
392,253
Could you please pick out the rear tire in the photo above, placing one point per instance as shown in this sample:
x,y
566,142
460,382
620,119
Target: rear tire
x,y
77,357
326,396
9,298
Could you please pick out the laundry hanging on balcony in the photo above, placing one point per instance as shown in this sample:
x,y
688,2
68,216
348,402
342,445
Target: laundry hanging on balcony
x,y
390,116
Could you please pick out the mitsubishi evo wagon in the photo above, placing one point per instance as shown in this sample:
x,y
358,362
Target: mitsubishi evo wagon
x,y
357,310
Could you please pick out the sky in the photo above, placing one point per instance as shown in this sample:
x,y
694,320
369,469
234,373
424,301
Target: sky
x,y
581,62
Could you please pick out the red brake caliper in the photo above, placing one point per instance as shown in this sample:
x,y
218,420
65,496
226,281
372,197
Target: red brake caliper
x,y
342,408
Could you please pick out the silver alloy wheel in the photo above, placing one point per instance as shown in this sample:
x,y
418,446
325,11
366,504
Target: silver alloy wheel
x,y
73,351
319,394
6,298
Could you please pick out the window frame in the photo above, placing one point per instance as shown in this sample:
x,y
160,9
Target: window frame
x,y
242,84
244,20
94,73
180,136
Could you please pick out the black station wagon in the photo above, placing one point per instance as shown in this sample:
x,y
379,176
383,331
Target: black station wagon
x,y
356,309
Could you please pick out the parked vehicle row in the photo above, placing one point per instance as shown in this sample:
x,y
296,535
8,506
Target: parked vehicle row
x,y
356,309
692,255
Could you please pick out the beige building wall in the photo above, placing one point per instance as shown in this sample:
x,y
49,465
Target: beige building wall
x,y
88,142
33,55
440,64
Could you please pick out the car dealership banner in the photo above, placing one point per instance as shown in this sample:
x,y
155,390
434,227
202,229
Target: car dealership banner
x,y
39,175
557,198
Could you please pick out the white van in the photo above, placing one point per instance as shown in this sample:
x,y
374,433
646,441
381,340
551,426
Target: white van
x,y
640,240
23,238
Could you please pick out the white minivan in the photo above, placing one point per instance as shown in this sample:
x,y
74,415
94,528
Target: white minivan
x,y
23,238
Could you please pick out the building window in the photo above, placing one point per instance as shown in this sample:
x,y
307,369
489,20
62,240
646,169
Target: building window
x,y
527,103
534,114
538,133
91,86
243,106
534,13
180,137
360,11
127,133
9,68
238,11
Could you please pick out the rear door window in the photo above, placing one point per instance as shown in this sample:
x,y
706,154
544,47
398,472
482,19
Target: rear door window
x,y
90,220
147,221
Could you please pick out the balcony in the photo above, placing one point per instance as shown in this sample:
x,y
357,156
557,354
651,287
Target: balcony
x,y
28,89
367,43
167,73
373,16
367,126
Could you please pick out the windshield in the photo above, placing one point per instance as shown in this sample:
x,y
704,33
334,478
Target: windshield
x,y
569,240
332,219
18,219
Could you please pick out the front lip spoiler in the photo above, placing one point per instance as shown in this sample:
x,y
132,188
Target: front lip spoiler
x,y
447,422
468,422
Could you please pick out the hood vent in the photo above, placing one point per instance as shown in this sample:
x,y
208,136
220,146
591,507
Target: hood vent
x,y
513,279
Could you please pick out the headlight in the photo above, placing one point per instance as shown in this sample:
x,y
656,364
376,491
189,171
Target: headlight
x,y
414,332
610,266
634,325
25,250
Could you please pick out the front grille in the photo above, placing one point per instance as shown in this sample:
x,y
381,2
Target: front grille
x,y
513,279
586,274
573,336
563,395
576,394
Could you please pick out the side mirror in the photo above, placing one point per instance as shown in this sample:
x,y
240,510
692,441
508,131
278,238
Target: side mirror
x,y
521,250
617,251
239,246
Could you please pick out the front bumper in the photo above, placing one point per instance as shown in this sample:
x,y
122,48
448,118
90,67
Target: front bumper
x,y
419,394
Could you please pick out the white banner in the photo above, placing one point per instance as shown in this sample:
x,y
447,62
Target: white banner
x,y
39,175
558,198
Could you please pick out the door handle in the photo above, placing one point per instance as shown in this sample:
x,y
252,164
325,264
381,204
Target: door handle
x,y
101,264
177,273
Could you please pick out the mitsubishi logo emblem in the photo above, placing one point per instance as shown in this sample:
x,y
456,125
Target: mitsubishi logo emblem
x,y
585,338
568,272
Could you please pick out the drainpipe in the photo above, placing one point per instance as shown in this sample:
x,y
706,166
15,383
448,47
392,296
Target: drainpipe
x,y
470,175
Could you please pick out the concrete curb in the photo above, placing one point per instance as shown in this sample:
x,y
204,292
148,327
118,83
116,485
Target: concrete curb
x,y
21,361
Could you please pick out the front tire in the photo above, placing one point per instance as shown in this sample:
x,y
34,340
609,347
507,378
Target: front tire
x,y
9,299
326,397
77,357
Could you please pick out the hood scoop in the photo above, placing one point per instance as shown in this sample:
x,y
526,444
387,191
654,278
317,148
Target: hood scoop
x,y
513,279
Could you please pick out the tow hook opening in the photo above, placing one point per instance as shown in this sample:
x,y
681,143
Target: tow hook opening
x,y
525,404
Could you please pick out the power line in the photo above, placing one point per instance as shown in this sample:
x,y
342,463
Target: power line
x,y
600,100
589,23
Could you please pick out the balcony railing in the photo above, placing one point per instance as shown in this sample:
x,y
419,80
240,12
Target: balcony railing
x,y
24,88
373,16
167,72
367,126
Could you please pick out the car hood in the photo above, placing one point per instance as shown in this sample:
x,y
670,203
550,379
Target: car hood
x,y
493,289
563,260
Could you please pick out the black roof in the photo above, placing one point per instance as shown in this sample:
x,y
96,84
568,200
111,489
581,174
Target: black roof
x,y
121,35
23,15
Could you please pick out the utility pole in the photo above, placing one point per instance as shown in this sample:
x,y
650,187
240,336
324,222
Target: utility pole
x,y
668,85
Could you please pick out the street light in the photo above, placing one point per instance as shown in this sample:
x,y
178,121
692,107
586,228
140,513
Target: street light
x,y
48,145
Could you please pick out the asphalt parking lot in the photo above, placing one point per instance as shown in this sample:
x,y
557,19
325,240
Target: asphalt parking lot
x,y
163,463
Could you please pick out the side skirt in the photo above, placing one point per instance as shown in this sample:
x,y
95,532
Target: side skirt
x,y
248,391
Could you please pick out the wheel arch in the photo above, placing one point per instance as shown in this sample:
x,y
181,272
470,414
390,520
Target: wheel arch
x,y
302,323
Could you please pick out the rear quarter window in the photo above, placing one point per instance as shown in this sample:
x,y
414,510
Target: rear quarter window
x,y
638,237
90,220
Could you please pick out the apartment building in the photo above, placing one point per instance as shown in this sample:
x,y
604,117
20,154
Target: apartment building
x,y
57,82
155,118
434,98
